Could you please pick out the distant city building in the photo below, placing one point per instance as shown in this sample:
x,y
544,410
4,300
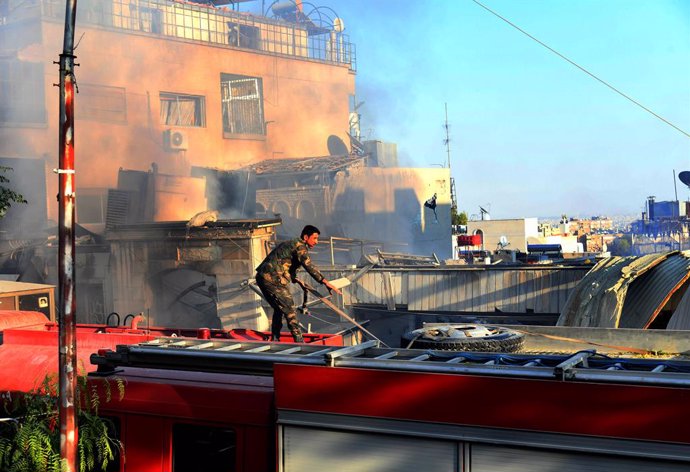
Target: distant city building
x,y
516,231
595,224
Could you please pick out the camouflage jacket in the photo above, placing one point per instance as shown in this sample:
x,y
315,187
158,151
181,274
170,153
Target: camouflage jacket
x,y
280,266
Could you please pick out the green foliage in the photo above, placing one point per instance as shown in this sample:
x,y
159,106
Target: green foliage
x,y
7,196
30,437
621,246
458,218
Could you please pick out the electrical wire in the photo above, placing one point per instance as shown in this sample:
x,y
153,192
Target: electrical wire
x,y
622,94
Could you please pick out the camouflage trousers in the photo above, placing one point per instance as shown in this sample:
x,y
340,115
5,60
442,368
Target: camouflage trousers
x,y
280,299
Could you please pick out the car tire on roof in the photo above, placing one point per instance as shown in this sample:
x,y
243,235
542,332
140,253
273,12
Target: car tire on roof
x,y
466,337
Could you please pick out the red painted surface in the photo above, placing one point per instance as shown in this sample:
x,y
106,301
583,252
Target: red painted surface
x,y
470,240
155,400
30,353
15,319
200,396
612,410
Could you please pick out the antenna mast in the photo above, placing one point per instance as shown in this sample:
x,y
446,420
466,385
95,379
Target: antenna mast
x,y
447,140
453,198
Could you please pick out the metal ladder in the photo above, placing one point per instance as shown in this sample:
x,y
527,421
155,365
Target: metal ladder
x,y
258,358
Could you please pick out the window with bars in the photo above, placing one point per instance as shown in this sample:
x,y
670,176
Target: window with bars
x,y
22,92
242,105
182,110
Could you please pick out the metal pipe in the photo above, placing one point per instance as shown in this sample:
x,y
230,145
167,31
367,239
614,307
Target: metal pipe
x,y
66,250
332,253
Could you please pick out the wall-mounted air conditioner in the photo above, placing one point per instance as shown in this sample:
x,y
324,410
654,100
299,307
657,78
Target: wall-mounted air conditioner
x,y
175,140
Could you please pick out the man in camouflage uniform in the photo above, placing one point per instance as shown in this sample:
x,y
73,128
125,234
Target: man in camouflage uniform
x,y
279,269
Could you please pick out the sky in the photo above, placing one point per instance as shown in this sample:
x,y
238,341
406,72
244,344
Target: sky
x,y
531,135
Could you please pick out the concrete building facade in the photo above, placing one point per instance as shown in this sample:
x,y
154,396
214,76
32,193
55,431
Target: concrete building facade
x,y
169,83
515,230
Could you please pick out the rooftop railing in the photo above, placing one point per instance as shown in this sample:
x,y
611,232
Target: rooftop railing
x,y
209,25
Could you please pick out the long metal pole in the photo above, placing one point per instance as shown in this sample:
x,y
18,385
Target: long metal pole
x,y
66,252
447,136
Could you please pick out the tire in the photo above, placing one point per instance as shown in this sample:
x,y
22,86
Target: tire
x,y
499,340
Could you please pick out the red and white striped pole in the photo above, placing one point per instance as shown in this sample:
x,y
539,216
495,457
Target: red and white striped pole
x,y
66,250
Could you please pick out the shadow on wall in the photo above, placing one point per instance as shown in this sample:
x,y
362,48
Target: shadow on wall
x,y
409,225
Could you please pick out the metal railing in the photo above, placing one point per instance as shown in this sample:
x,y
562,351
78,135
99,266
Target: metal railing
x,y
209,25
259,357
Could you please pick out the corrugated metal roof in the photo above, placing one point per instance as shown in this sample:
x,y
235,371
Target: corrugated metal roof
x,y
648,294
626,292
681,316
597,301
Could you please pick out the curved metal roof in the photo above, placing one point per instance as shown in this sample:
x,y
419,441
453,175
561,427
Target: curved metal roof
x,y
627,292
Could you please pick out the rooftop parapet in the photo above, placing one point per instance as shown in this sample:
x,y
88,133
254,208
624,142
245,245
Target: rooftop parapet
x,y
201,23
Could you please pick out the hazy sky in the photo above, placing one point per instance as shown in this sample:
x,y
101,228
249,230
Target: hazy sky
x,y
531,134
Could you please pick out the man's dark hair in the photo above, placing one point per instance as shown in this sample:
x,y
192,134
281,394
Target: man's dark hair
x,y
309,230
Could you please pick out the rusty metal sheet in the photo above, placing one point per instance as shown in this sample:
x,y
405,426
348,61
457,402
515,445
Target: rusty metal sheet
x,y
648,294
681,316
597,300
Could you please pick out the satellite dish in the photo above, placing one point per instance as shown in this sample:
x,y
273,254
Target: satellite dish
x,y
685,177
336,146
338,25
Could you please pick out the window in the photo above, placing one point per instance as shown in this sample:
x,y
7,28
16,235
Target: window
x,y
202,447
242,105
244,36
182,110
21,92
101,103
151,20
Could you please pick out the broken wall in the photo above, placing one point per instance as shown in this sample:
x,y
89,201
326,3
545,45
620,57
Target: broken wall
x,y
189,277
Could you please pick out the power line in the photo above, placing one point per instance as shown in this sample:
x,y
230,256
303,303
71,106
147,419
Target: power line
x,y
583,69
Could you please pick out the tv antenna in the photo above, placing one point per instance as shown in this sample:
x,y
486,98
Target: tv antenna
x,y
446,142
484,212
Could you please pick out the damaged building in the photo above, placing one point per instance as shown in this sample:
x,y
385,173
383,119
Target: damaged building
x,y
186,108
355,200
169,84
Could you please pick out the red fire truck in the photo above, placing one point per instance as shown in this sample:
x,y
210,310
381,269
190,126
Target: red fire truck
x,y
253,406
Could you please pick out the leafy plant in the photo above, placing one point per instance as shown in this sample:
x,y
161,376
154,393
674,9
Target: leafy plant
x,y
458,218
30,435
7,196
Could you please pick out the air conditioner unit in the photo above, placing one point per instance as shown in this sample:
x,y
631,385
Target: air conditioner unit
x,y
175,140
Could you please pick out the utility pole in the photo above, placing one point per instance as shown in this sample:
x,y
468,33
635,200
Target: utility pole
x,y
66,250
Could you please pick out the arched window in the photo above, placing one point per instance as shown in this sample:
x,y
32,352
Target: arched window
x,y
281,207
305,211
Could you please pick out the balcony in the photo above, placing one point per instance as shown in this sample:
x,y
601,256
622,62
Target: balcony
x,y
202,24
